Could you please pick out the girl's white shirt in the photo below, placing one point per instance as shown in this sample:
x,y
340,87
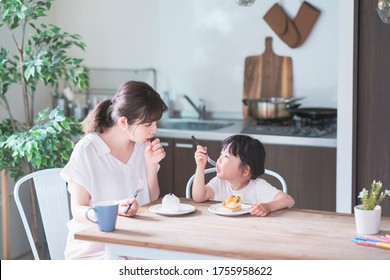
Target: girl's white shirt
x,y
257,191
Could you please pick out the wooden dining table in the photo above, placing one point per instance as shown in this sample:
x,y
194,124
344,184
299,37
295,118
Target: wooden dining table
x,y
285,234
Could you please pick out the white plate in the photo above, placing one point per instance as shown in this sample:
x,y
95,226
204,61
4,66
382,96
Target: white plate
x,y
220,210
183,209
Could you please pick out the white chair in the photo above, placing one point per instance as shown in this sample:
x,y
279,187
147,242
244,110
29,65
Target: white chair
x,y
213,169
53,203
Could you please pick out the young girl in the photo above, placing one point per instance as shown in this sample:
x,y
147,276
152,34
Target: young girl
x,y
238,170
112,158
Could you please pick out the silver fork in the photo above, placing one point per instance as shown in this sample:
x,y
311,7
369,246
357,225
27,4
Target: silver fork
x,y
139,188
212,162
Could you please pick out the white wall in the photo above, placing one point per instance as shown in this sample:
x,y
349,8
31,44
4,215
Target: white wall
x,y
203,45
118,33
199,46
345,112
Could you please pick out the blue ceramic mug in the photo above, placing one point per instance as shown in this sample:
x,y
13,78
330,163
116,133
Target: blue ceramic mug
x,y
106,213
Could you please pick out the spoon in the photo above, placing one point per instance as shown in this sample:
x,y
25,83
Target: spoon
x,y
212,162
139,188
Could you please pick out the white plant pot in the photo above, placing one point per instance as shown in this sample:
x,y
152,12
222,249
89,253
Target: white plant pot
x,y
367,221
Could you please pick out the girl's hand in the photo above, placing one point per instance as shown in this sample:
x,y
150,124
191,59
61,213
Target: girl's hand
x,y
201,156
260,210
154,152
123,205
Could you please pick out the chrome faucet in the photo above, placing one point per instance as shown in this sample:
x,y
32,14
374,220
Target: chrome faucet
x,y
201,109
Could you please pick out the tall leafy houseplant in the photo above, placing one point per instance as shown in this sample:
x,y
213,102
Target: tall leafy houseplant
x,y
40,55
44,140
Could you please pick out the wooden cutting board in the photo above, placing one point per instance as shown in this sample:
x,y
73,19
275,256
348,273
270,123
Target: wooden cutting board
x,y
267,75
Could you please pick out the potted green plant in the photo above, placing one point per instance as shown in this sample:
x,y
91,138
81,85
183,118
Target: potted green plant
x,y
46,139
368,213
43,140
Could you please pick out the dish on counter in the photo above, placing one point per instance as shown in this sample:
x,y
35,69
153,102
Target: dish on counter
x,y
183,209
220,210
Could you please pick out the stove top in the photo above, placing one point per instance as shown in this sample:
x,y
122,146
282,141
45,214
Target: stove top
x,y
301,127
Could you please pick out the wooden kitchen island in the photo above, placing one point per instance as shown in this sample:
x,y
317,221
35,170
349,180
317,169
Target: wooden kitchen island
x,y
286,234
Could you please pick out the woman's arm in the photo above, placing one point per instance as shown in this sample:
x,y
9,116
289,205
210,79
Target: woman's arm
x,y
79,202
154,153
281,201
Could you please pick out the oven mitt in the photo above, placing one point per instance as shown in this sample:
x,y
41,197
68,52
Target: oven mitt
x,y
282,25
293,33
304,21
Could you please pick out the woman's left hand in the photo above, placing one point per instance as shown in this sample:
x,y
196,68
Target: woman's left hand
x,y
154,152
123,205
260,210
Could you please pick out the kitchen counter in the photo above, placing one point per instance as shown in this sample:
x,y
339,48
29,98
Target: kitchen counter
x,y
328,140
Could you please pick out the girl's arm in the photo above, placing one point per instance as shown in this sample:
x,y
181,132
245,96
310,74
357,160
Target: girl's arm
x,y
281,201
201,192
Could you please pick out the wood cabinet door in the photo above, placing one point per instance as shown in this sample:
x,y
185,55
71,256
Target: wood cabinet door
x,y
184,164
310,174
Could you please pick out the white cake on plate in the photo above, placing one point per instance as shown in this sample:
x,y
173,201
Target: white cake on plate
x,y
170,203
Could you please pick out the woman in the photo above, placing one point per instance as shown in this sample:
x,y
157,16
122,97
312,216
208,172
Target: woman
x,y
116,153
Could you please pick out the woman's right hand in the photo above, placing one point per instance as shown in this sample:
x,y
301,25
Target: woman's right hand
x,y
201,156
123,205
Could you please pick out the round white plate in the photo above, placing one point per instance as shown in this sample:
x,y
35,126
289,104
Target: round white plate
x,y
220,210
183,209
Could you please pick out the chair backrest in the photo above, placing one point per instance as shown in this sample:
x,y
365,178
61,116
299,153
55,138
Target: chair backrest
x,y
53,203
213,169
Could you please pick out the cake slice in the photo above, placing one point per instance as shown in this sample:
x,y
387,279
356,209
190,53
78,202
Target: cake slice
x,y
232,203
171,203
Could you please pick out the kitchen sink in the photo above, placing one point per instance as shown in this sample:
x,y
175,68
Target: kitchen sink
x,y
185,124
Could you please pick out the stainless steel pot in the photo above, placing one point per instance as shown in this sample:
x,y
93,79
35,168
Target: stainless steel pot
x,y
273,108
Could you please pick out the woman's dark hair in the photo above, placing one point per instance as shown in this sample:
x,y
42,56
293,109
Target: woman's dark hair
x,y
250,151
137,101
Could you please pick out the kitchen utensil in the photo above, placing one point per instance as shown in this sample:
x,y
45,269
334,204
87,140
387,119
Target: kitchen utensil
x,y
139,188
271,108
212,162
267,75
315,113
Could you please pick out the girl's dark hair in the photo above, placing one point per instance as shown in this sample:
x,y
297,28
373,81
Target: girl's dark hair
x,y
137,101
250,151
